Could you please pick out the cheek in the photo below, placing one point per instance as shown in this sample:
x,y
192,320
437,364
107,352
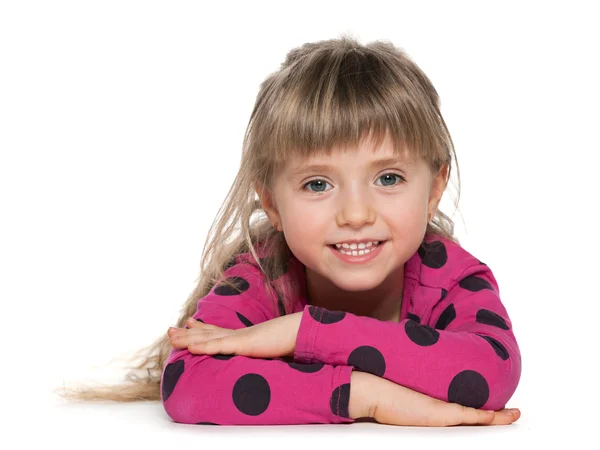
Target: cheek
x,y
306,254
305,237
305,220
406,215
302,237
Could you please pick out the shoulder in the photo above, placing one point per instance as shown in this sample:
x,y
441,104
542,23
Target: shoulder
x,y
441,262
244,264
240,289
283,280
239,273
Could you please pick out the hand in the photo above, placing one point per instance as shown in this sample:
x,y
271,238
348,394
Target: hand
x,y
271,339
394,404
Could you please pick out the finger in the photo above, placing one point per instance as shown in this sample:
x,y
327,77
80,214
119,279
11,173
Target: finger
x,y
193,322
179,341
471,416
502,417
185,339
176,331
506,417
199,334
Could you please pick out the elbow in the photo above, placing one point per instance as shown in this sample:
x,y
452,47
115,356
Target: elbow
x,y
182,396
504,382
170,391
489,385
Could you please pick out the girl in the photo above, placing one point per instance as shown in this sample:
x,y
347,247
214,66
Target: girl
x,y
349,296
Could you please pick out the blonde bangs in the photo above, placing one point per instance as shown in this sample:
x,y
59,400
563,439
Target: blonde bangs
x,y
337,98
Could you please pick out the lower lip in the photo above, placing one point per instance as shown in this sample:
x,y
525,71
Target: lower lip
x,y
360,259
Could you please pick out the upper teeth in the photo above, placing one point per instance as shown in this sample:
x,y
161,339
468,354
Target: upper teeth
x,y
354,245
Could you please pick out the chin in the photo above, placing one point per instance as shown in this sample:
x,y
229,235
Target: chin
x,y
353,283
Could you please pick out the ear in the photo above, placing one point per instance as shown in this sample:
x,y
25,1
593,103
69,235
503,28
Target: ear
x,y
438,186
267,203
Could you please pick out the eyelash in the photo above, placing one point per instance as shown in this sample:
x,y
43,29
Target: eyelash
x,y
402,179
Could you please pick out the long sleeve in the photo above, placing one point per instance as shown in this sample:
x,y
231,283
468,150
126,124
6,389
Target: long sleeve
x,y
465,353
239,390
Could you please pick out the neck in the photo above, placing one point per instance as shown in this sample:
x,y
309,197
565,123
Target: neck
x,y
383,302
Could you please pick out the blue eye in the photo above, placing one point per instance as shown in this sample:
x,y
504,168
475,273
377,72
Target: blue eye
x,y
393,175
322,182
314,181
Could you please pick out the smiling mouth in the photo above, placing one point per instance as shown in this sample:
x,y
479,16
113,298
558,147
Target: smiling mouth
x,y
356,251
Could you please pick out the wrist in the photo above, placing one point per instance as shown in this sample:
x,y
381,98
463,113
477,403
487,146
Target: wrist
x,y
363,395
294,327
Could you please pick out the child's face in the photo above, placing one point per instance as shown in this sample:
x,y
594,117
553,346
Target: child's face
x,y
354,199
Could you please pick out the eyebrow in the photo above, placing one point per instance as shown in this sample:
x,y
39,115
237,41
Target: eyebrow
x,y
304,168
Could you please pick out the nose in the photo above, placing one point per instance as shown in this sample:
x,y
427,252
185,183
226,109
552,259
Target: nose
x,y
356,210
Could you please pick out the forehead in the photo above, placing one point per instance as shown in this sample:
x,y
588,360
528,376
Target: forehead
x,y
365,158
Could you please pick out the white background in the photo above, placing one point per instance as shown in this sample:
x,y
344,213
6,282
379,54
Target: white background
x,y
121,126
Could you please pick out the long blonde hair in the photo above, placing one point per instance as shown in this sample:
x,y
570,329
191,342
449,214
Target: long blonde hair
x,y
326,93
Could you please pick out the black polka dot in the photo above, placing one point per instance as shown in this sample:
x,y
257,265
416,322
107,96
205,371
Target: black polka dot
x,y
280,305
469,388
251,394
206,423
340,399
244,320
474,284
497,346
170,378
240,283
414,317
367,359
481,262
306,368
223,357
447,316
325,316
444,293
488,317
422,335
433,254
